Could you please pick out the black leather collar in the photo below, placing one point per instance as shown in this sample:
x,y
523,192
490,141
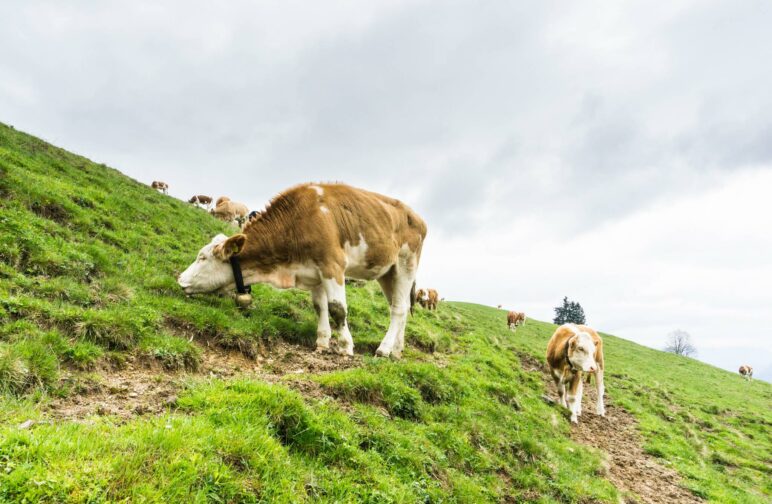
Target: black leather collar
x,y
237,275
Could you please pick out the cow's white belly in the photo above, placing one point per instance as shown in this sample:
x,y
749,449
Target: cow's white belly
x,y
356,262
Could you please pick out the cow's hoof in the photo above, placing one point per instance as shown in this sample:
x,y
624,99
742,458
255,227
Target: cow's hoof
x,y
574,420
345,350
322,349
396,355
382,353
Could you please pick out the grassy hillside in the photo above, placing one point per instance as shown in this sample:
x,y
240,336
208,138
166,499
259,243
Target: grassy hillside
x,y
87,266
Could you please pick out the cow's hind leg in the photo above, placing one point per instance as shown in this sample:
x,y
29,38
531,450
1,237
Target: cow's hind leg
x,y
396,286
338,310
323,331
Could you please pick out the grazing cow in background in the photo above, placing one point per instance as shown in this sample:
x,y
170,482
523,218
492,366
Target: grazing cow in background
x,y
515,319
434,299
747,372
160,186
428,298
312,237
201,199
231,211
572,351
421,297
498,307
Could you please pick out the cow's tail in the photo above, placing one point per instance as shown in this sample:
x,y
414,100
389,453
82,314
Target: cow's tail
x,y
412,298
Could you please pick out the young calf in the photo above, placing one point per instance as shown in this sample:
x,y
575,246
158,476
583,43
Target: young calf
x,y
572,351
312,237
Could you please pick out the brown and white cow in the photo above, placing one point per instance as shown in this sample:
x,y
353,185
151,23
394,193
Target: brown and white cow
x,y
428,298
201,199
231,211
747,372
574,350
160,186
433,299
312,237
515,319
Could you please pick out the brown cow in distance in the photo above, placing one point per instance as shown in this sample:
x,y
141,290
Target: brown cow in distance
x,y
428,298
221,199
201,199
573,350
515,319
312,237
231,211
160,186
747,372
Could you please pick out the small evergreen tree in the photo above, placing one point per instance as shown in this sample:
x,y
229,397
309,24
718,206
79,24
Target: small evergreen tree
x,y
571,312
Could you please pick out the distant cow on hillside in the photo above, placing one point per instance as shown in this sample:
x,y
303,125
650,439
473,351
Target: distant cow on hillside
x,y
231,211
571,351
747,372
515,319
201,199
312,237
160,186
428,298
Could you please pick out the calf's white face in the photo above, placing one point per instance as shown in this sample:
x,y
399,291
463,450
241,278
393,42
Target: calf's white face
x,y
211,271
581,353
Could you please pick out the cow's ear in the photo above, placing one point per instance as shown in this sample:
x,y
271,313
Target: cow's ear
x,y
229,247
572,343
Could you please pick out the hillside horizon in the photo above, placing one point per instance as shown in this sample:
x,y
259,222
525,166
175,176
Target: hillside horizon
x,y
101,353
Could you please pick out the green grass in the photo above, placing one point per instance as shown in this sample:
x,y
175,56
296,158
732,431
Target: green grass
x,y
87,266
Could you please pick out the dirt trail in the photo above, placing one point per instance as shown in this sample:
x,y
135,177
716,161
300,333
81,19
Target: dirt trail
x,y
142,387
640,477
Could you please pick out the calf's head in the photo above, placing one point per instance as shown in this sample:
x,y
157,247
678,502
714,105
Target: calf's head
x,y
581,353
211,271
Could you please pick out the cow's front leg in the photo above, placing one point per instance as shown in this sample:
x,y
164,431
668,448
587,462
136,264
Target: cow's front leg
x,y
560,384
338,310
579,395
574,391
600,408
323,331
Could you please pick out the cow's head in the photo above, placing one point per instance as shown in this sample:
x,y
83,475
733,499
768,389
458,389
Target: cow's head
x,y
211,271
581,353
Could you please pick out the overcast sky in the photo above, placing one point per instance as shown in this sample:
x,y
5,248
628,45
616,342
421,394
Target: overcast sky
x,y
619,153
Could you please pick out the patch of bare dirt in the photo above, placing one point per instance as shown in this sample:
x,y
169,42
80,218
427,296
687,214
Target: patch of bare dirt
x,y
143,388
640,477
125,393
